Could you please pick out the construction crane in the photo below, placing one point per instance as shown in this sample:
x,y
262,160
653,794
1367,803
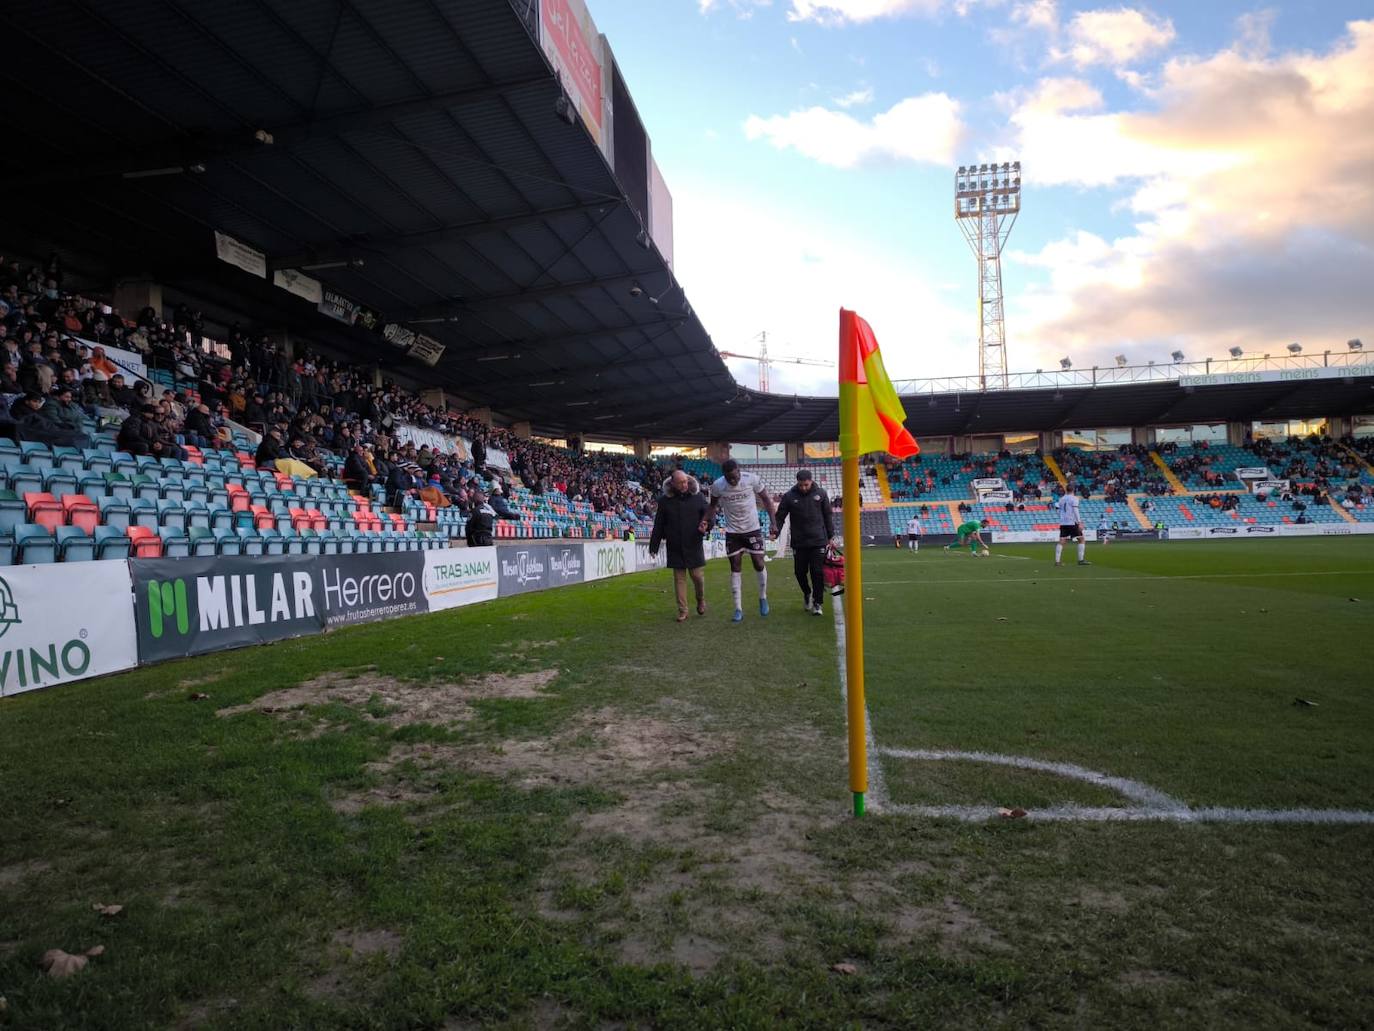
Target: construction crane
x,y
765,360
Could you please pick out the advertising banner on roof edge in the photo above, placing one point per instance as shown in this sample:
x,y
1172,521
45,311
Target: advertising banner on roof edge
x,y
240,255
63,623
569,38
294,281
337,306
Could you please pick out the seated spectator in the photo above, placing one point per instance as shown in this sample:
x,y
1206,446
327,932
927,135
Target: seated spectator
x,y
432,492
139,432
269,450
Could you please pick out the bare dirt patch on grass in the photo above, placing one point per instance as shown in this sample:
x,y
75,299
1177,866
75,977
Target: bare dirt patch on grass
x,y
398,703
349,946
15,873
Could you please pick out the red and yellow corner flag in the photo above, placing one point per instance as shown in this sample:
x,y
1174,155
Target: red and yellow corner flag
x,y
866,390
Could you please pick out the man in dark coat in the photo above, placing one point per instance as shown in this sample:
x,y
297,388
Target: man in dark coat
x,y
813,525
681,511
481,522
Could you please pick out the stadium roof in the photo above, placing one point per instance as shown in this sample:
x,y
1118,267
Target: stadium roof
x,y
417,165
415,153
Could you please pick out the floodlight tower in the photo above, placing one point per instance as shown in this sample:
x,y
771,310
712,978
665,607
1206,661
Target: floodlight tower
x,y
987,199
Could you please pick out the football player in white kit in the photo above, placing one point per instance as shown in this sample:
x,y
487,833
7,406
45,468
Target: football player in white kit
x,y
739,494
913,533
1070,527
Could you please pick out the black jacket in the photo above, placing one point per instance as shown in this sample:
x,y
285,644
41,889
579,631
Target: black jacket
x,y
481,521
676,523
813,522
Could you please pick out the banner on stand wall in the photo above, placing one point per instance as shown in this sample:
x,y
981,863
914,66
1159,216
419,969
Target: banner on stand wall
x,y
602,559
645,562
189,606
459,576
530,567
63,623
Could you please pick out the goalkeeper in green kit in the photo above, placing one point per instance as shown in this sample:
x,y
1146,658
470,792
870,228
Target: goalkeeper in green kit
x,y
970,533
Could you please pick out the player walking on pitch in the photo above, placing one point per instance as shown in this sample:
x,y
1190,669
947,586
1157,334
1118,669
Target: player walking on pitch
x,y
913,533
738,495
1070,527
970,532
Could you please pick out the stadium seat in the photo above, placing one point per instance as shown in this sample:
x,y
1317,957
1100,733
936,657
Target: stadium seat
x,y
68,459
79,510
171,513
175,542
124,463
74,544
34,545
143,512
144,542
202,541
44,509
249,540
37,455
110,542
97,461
118,485
115,512
12,511
273,543
23,479
228,541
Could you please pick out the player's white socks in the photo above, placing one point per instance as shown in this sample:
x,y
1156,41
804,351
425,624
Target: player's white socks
x,y
1058,552
735,589
1082,550
763,582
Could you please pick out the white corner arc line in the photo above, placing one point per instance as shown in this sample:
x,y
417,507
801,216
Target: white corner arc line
x,y
876,798
1108,814
1132,789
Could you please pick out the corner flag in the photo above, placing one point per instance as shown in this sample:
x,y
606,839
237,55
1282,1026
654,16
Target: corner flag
x,y
871,418
866,391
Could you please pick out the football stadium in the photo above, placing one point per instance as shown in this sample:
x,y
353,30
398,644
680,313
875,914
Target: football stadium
x,y
362,443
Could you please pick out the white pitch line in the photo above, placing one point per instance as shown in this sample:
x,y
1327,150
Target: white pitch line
x,y
1107,814
1080,581
876,796
1132,789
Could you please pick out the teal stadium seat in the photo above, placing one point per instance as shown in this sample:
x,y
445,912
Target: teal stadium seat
x,y
74,544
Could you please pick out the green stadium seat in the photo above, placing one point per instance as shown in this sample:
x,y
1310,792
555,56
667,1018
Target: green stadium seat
x,y
202,541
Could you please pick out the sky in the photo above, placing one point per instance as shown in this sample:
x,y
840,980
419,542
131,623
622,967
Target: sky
x,y
1197,175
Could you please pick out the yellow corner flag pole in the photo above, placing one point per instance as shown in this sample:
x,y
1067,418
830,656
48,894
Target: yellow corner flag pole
x,y
854,633
854,584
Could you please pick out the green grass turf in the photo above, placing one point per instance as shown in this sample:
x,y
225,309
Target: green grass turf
x,y
680,854
1177,666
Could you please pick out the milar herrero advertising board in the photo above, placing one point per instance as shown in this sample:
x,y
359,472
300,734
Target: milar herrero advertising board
x,y
64,622
189,606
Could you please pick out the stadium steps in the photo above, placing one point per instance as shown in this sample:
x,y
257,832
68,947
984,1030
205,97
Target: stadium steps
x,y
884,488
1170,477
1140,517
1340,511
1358,458
1053,467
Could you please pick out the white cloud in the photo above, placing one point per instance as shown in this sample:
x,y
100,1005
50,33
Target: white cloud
x,y
1113,37
922,129
1248,182
744,9
750,266
857,98
839,12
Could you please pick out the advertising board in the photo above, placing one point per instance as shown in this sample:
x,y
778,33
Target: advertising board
x,y
296,282
63,623
602,559
240,255
645,562
569,39
189,606
459,576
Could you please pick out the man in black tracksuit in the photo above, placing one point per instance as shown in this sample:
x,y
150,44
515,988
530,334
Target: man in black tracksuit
x,y
813,524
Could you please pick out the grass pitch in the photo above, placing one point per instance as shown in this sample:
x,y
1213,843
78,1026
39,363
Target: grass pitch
x,y
566,810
